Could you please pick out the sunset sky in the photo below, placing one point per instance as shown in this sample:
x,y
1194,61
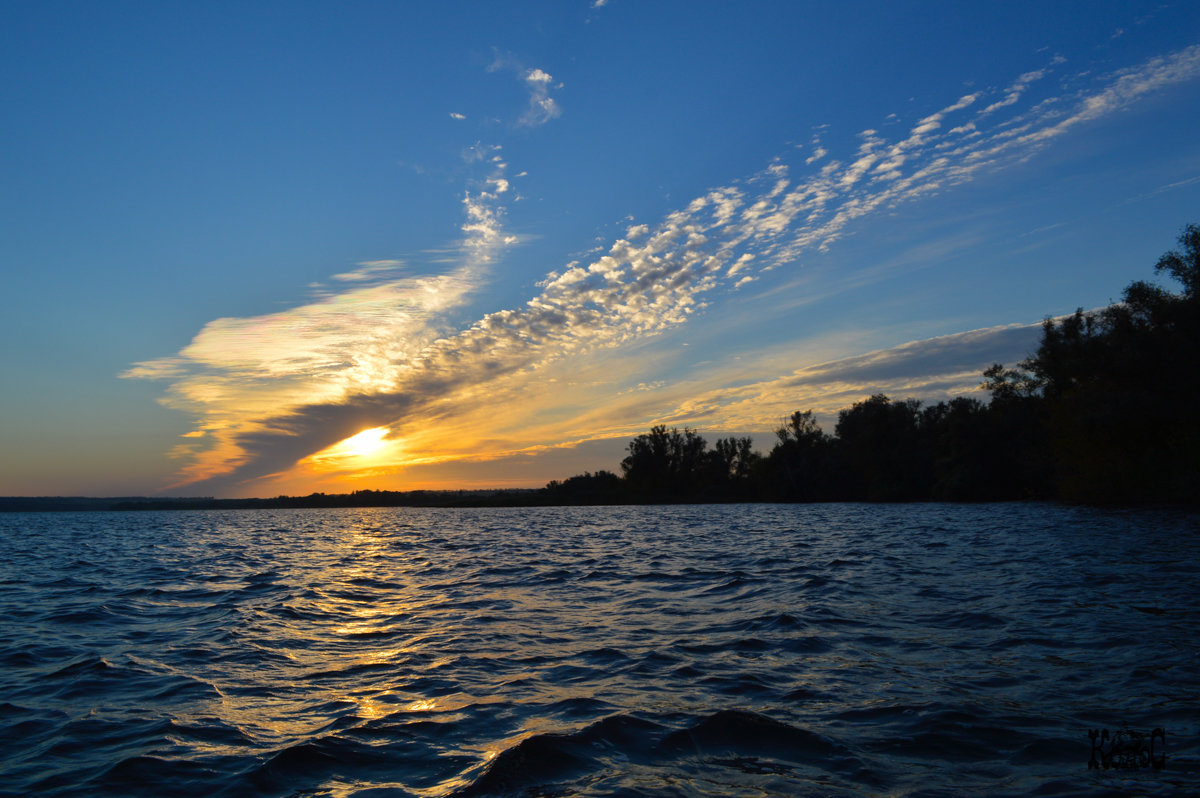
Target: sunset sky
x,y
253,248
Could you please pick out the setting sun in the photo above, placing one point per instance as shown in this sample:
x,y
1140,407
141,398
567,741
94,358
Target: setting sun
x,y
367,449
364,444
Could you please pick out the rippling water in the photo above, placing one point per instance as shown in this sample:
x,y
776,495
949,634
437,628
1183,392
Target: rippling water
x,y
731,650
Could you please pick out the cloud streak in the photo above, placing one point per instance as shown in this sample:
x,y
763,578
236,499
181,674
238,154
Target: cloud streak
x,y
272,390
930,369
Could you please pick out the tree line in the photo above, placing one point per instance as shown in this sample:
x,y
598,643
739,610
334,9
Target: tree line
x,y
1107,410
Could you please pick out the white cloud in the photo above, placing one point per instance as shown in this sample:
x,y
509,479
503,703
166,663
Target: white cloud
x,y
483,228
1014,92
542,107
539,83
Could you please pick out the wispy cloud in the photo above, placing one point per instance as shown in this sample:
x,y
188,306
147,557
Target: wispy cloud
x,y
542,107
275,389
1163,189
539,83
932,369
1013,94
369,270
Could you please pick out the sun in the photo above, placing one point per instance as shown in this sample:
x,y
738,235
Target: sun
x,y
364,444
362,454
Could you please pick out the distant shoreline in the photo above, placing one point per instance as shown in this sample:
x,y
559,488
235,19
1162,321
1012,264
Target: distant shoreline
x,y
508,497
449,499
503,497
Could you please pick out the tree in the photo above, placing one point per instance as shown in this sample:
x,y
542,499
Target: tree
x,y
1184,265
603,487
798,467
735,461
665,463
1116,390
884,453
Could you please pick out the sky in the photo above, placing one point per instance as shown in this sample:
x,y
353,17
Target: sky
x,y
267,248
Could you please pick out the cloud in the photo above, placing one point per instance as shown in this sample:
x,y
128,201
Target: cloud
x,y
238,373
369,270
272,390
244,378
539,83
1013,95
933,369
929,360
542,107
1163,189
456,115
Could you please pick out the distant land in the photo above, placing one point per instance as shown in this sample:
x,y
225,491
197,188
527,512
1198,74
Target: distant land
x,y
509,497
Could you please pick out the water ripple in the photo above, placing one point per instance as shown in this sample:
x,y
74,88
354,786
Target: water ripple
x,y
751,650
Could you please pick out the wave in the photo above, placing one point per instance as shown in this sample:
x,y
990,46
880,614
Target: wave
x,y
739,741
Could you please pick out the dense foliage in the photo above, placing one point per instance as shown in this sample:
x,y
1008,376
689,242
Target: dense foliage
x,y
1114,393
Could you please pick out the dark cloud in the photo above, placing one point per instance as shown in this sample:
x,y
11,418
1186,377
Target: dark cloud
x,y
950,354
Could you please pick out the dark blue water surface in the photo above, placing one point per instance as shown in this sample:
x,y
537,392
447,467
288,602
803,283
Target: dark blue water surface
x,y
715,650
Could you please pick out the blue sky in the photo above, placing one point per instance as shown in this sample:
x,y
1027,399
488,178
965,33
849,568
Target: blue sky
x,y
488,243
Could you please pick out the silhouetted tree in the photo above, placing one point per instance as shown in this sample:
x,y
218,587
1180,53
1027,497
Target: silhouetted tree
x,y
734,464
1116,390
973,453
665,463
798,467
883,452
603,487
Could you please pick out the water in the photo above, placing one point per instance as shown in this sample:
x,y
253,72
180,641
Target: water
x,y
717,650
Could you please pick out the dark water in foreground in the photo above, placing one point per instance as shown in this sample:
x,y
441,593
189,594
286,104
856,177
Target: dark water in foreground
x,y
740,650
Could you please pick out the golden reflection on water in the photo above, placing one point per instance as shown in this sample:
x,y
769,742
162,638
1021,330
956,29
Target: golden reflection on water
x,y
425,705
328,620
329,625
372,706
